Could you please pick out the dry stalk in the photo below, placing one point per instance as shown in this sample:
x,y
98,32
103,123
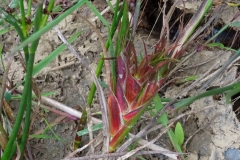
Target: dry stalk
x,y
29,151
220,71
89,126
62,66
102,100
108,74
112,155
82,148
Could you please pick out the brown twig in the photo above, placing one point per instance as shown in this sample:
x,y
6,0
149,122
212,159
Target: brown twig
x,y
120,154
108,75
89,126
62,66
107,64
81,149
29,151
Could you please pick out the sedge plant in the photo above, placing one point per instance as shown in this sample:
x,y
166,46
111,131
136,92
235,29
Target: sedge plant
x,y
133,83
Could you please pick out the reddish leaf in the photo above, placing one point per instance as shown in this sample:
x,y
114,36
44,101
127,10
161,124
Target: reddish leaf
x,y
131,114
132,89
115,121
146,76
148,93
121,70
118,137
143,67
124,130
160,45
121,99
151,90
160,82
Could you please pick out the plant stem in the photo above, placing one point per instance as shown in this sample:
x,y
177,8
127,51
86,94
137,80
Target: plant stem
x,y
7,151
28,116
49,10
24,28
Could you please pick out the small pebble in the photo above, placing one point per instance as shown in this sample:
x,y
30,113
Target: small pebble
x,y
232,154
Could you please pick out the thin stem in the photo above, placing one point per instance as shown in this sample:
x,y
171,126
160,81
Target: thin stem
x,y
49,10
7,151
24,28
27,95
28,109
29,8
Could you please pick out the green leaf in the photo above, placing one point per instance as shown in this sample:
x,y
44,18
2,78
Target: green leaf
x,y
14,4
103,84
191,78
1,57
235,24
94,128
220,45
174,141
163,119
104,21
7,96
153,114
1,21
47,28
189,100
18,96
50,128
216,44
158,103
57,9
43,136
179,134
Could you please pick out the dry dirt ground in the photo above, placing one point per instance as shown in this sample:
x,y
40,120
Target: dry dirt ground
x,y
210,132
